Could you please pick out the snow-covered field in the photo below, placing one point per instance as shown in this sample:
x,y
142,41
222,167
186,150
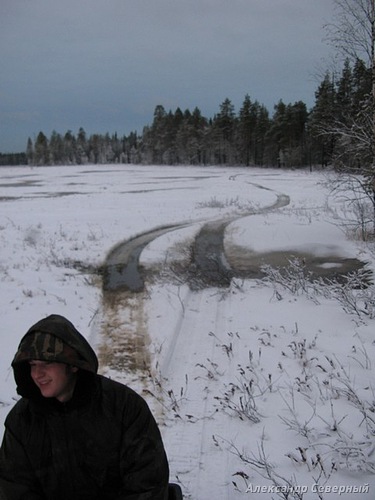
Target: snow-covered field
x,y
261,389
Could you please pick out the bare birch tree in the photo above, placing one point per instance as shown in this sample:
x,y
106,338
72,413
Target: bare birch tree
x,y
352,31
352,34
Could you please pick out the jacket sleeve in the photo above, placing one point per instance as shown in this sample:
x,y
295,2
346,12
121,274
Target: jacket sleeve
x,y
17,480
144,465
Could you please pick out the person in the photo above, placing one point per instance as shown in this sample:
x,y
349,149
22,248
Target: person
x,y
75,434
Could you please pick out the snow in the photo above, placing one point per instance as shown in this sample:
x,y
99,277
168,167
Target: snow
x,y
302,364
272,234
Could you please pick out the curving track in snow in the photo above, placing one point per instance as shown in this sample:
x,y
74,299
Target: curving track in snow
x,y
192,343
123,271
124,289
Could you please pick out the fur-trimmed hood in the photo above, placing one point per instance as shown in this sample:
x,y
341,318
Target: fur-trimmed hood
x,y
51,339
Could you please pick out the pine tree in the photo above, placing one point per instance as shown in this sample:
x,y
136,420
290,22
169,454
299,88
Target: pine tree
x,y
158,134
223,133
261,132
41,152
321,122
344,95
82,152
30,152
56,149
246,131
361,84
70,148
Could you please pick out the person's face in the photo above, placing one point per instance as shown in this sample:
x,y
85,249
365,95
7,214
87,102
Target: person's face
x,y
54,380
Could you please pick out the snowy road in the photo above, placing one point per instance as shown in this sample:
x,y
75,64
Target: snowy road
x,y
219,365
196,326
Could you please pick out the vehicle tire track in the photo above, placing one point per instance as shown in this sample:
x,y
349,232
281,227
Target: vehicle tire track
x,y
124,339
196,352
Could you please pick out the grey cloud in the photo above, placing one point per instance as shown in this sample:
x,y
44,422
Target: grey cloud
x,y
105,64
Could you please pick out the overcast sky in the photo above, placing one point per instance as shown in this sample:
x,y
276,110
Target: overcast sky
x,y
105,64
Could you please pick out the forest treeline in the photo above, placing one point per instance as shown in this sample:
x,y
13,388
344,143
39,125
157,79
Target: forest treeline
x,y
292,136
13,159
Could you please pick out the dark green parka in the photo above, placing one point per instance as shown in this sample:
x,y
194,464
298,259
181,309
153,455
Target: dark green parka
x,y
102,444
